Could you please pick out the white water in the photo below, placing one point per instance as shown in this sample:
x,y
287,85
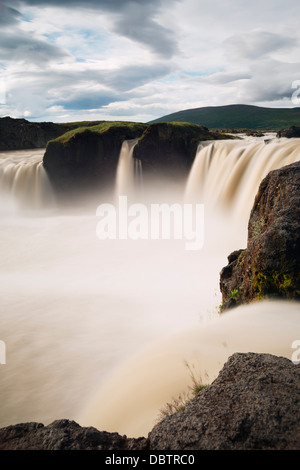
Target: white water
x,y
23,181
125,177
99,331
226,174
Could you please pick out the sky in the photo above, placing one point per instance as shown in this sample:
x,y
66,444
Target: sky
x,y
138,60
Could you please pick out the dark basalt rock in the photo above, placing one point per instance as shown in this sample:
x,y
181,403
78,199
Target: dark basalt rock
x,y
19,134
253,404
169,149
64,435
270,265
289,132
88,159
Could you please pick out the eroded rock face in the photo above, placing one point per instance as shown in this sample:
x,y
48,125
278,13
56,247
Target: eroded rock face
x,y
88,160
19,134
252,405
169,149
270,265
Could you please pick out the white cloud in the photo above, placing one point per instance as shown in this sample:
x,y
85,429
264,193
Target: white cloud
x,y
110,58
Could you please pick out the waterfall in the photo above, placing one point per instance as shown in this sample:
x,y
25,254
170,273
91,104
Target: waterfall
x,y
138,173
128,169
227,174
24,183
99,331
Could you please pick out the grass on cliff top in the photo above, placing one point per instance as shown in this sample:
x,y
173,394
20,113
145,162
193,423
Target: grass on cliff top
x,y
100,128
193,131
136,129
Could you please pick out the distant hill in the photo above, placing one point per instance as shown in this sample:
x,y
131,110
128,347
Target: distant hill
x,y
237,116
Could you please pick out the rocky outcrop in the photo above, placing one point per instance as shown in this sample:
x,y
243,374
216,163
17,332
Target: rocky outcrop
x,y
87,159
289,132
19,134
253,404
270,265
64,435
169,149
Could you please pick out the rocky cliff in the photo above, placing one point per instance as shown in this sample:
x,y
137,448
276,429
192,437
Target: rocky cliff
x,y
253,404
19,134
270,265
86,159
169,149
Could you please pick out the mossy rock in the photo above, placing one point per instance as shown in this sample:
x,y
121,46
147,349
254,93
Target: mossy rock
x,y
270,265
85,159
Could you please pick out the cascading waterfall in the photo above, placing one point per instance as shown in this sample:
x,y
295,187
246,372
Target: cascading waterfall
x,y
24,182
227,174
127,168
138,174
98,331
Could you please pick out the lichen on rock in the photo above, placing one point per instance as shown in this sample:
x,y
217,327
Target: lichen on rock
x,y
270,265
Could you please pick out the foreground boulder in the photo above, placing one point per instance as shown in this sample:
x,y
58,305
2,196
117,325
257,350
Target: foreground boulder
x,y
270,266
64,435
253,404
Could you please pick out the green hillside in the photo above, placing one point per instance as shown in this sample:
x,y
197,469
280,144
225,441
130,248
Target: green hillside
x,y
237,117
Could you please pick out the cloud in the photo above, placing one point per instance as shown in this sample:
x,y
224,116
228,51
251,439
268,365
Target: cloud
x,y
267,58
88,100
106,58
8,15
20,46
223,78
78,88
133,19
135,23
133,76
254,45
271,81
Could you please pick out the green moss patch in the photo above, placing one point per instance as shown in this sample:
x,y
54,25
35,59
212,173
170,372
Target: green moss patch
x,y
275,283
100,128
